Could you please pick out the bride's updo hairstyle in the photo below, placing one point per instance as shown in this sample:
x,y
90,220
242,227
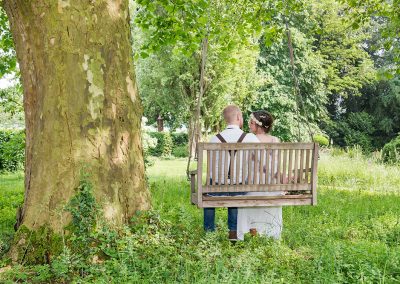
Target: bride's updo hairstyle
x,y
263,119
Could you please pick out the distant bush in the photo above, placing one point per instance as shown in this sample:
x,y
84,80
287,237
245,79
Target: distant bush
x,y
148,143
179,139
391,151
322,140
180,151
168,143
167,146
12,150
355,129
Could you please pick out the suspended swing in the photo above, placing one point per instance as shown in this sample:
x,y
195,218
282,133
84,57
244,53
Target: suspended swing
x,y
289,169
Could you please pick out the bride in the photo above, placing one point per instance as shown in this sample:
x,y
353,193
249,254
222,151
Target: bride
x,y
265,221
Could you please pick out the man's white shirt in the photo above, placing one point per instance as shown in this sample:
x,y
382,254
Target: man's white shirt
x,y
231,134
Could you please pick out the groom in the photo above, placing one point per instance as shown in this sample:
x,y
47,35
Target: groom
x,y
232,134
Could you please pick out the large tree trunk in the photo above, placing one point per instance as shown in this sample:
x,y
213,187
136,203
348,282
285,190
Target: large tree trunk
x,y
82,108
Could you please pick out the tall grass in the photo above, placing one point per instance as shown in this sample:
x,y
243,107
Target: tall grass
x,y
351,236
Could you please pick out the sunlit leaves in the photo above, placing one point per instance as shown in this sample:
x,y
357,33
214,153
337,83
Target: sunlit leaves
x,y
8,60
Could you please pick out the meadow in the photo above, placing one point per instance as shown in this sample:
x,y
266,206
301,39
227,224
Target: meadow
x,y
351,236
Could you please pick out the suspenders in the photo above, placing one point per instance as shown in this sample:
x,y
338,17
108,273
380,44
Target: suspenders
x,y
222,139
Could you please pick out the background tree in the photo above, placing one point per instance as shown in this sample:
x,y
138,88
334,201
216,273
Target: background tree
x,y
297,108
189,28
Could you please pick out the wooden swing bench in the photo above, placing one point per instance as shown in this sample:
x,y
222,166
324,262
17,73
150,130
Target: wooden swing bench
x,y
288,169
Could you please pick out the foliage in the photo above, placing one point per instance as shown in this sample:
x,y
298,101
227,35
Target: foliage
x,y
169,83
167,145
84,212
391,151
11,100
8,60
12,150
164,144
322,140
184,24
347,65
169,70
294,114
11,197
180,151
179,138
386,11
148,143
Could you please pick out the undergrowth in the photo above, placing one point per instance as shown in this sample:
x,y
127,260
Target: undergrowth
x,y
351,236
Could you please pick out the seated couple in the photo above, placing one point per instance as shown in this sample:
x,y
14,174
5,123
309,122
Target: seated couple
x,y
261,220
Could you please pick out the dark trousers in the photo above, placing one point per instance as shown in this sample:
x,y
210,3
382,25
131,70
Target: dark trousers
x,y
209,214
209,219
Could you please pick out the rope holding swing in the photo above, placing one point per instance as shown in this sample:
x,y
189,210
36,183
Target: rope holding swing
x,y
195,137
296,89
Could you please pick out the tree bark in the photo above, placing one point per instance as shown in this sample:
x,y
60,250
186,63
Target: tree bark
x,y
82,108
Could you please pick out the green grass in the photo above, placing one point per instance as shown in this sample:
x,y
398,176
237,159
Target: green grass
x,y
11,196
351,236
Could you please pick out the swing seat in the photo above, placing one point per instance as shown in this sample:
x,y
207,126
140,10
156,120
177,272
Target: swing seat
x,y
255,174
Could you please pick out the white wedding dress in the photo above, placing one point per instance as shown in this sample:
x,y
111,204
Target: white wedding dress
x,y
266,220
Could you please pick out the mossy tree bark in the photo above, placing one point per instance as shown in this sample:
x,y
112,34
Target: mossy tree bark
x,y
81,105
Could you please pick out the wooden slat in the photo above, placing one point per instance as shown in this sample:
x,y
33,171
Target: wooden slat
x,y
284,166
260,197
226,167
301,174
258,187
290,166
219,172
262,164
249,171
314,177
237,173
200,175
307,167
256,203
208,168
213,154
244,166
296,165
232,160
256,165
268,176
273,166
256,146
279,165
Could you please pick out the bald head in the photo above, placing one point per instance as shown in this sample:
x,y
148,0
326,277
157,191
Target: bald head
x,y
233,115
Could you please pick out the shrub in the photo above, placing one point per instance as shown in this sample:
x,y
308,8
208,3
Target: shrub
x,y
180,151
167,146
359,138
157,150
167,142
391,151
322,140
179,139
12,150
148,143
355,129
